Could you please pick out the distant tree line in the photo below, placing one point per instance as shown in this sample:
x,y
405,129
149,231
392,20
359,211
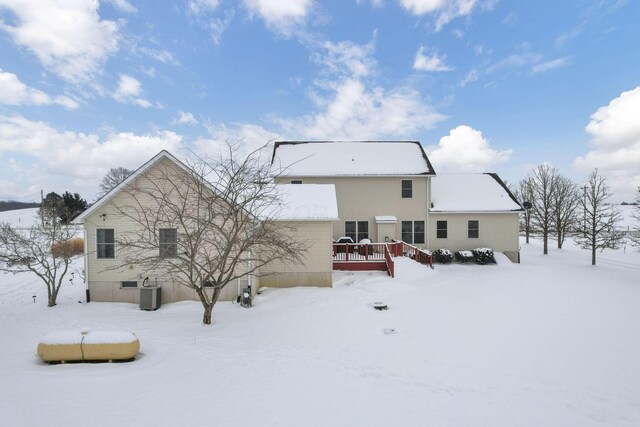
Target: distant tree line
x,y
11,205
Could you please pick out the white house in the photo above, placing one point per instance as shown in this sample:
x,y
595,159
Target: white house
x,y
382,191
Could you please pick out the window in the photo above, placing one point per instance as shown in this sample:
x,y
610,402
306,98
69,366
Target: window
x,y
441,229
208,284
130,284
413,232
407,189
296,181
357,230
168,243
105,243
473,230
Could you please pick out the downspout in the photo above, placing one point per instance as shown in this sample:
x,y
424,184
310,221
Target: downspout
x,y
86,264
428,225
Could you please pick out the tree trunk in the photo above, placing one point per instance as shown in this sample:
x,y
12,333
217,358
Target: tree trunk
x,y
560,239
52,295
593,256
527,231
206,318
545,238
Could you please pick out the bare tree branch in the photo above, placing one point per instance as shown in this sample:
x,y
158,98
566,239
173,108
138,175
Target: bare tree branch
x,y
45,249
223,212
601,217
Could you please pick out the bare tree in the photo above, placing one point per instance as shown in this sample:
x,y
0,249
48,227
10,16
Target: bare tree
x,y
45,249
565,204
634,234
207,225
524,193
542,181
112,179
601,217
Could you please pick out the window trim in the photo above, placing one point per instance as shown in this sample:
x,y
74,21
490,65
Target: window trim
x,y
357,231
124,286
413,231
98,257
160,244
470,230
408,190
439,229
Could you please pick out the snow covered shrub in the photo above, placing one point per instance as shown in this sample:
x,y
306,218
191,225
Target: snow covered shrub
x,y
443,256
483,256
464,256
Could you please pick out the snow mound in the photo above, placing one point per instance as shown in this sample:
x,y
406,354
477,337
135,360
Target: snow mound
x,y
502,260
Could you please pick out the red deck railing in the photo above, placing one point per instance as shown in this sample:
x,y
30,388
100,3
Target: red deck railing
x,y
419,255
358,252
376,256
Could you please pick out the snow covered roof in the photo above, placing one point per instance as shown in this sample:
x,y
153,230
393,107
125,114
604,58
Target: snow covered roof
x,y
306,202
350,158
385,219
471,192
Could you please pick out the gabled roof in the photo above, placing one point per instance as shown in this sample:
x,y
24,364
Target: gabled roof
x,y
299,202
164,154
350,158
471,192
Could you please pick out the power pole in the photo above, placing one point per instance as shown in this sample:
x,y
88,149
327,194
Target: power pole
x,y
42,206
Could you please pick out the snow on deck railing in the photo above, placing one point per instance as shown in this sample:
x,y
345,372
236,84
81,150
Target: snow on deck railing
x,y
422,256
390,264
358,252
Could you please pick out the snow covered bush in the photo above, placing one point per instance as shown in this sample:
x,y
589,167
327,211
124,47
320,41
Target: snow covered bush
x,y
483,256
443,256
464,256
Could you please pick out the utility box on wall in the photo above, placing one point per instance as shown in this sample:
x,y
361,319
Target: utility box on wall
x,y
150,297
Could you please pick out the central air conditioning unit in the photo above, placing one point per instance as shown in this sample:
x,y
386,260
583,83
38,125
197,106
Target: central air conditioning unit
x,y
150,297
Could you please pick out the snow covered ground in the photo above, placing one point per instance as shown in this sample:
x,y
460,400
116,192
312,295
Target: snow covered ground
x,y
552,341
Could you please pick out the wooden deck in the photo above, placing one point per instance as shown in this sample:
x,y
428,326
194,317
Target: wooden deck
x,y
376,256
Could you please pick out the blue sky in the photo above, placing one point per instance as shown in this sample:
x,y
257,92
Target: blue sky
x,y
485,85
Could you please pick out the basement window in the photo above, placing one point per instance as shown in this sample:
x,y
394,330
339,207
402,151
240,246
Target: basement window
x,y
128,285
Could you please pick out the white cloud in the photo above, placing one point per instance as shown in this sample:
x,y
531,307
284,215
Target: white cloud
x,y
205,11
615,135
446,10
249,136
129,90
161,55
281,17
465,150
549,65
185,118
198,7
471,77
432,62
374,3
68,38
85,157
350,104
346,58
14,92
123,6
